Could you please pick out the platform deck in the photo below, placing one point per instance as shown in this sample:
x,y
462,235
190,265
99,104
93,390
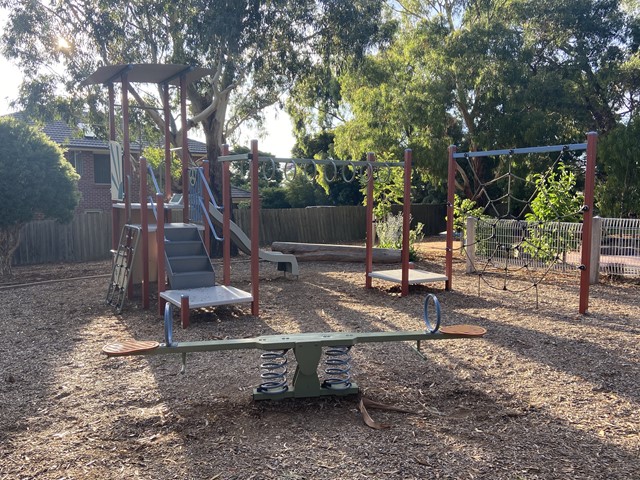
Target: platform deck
x,y
415,276
208,296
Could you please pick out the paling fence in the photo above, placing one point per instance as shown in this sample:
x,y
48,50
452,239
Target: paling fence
x,y
88,236
510,244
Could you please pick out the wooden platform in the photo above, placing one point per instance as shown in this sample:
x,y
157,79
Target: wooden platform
x,y
208,296
415,276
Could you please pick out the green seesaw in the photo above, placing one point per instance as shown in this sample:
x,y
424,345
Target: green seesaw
x,y
307,349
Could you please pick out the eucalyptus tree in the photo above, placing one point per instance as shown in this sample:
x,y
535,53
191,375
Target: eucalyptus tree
x,y
492,74
258,50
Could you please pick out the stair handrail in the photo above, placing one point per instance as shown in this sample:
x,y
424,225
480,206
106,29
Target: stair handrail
x,y
153,177
152,174
206,185
212,200
208,217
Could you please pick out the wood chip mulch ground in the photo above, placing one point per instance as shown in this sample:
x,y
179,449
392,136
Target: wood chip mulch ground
x,y
546,394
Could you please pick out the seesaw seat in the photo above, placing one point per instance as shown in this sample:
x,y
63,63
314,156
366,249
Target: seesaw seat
x,y
129,347
466,330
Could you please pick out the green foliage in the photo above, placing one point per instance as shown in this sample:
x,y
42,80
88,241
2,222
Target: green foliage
x,y
388,190
462,209
155,158
35,178
556,201
556,198
274,197
389,233
302,192
486,75
256,51
618,190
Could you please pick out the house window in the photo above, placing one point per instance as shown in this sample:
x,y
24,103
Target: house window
x,y
76,161
101,169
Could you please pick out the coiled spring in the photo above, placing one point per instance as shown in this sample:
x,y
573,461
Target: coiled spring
x,y
339,368
274,372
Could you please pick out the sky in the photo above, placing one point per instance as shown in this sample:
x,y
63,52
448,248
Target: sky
x,y
277,140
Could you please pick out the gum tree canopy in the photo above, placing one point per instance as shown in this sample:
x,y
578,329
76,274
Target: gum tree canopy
x,y
35,179
258,50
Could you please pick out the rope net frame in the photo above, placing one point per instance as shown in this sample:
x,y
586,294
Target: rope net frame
x,y
507,241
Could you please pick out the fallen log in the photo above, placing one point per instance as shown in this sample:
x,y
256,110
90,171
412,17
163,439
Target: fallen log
x,y
321,252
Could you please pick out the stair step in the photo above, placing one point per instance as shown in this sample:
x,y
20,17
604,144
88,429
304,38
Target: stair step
x,y
190,263
184,248
186,280
179,234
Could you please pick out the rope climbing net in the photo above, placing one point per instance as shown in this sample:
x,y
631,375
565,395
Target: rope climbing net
x,y
525,225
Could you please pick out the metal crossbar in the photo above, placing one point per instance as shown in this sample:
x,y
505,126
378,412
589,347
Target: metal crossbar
x,y
517,151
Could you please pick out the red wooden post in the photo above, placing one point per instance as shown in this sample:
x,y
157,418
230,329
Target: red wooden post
x,y
115,213
144,223
406,214
167,141
368,261
451,190
184,310
227,205
255,232
587,220
162,285
126,147
185,149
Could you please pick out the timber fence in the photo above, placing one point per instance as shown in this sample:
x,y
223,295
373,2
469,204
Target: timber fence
x,y
88,236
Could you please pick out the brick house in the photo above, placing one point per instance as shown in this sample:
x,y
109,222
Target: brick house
x,y
89,155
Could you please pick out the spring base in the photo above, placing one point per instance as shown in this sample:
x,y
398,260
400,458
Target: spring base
x,y
292,392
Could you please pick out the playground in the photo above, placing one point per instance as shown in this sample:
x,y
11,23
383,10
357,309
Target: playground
x,y
546,393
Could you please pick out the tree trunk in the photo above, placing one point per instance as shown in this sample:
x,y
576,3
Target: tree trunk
x,y
9,242
214,138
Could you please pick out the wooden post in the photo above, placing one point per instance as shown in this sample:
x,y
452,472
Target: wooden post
x,y
162,280
587,220
451,190
144,223
369,234
126,147
255,230
406,214
184,310
185,149
227,205
167,142
115,215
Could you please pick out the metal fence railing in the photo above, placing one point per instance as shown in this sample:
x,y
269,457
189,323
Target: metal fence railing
x,y
620,247
513,243
503,244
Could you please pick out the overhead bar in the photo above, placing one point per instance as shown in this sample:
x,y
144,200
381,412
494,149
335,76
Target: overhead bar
x,y
515,151
246,156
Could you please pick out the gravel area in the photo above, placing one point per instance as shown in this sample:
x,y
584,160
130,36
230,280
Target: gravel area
x,y
545,394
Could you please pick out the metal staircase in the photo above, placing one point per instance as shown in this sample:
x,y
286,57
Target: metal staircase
x,y
187,262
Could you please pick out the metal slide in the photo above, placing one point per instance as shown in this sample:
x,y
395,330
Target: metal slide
x,y
286,262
